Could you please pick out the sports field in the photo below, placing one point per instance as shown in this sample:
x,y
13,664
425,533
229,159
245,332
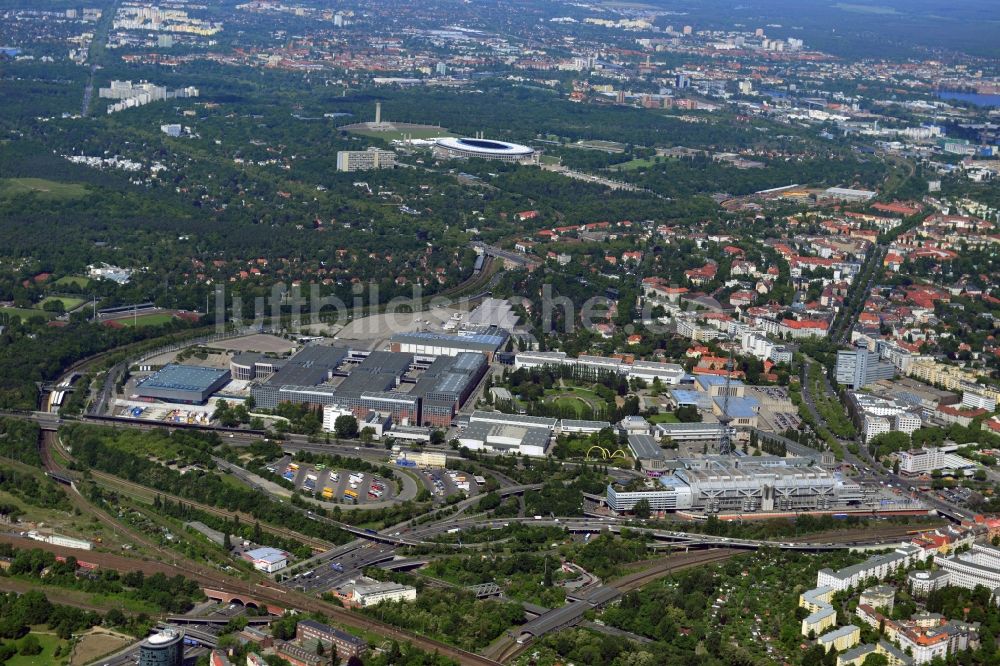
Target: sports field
x,y
78,280
25,313
399,135
48,189
69,302
145,320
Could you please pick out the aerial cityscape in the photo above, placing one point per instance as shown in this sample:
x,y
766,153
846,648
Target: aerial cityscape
x,y
534,333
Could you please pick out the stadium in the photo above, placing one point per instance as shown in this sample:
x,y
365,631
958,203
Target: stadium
x,y
485,149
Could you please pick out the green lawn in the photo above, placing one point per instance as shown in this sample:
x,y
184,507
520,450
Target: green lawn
x,y
632,165
666,417
25,313
47,189
569,402
69,302
45,658
146,320
78,280
429,133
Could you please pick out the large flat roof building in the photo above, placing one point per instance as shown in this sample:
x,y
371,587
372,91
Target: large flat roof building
x,y
486,340
721,484
377,384
188,384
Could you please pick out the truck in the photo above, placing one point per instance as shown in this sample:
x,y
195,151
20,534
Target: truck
x,y
337,566
327,493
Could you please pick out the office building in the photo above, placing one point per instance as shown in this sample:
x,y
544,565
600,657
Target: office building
x,y
859,368
365,160
924,461
189,384
165,648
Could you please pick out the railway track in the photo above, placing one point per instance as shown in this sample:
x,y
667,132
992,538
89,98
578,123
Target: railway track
x,y
633,581
170,561
137,491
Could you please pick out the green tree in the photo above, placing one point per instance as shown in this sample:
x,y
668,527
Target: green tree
x,y
642,509
346,427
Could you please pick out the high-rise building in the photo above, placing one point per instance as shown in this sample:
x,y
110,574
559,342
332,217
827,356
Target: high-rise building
x,y
859,368
163,649
365,160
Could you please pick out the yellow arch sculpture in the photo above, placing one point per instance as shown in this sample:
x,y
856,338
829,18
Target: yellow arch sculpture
x,y
606,454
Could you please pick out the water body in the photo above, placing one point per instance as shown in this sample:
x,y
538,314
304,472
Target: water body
x,y
974,98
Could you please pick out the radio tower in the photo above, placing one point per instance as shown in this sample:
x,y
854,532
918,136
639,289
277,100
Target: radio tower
x,y
726,441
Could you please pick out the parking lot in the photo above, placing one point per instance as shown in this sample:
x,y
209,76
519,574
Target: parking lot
x,y
441,482
335,485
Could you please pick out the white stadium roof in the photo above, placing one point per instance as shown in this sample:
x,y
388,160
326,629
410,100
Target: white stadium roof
x,y
490,147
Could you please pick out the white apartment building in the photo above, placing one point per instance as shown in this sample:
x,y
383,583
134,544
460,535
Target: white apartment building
x,y
971,400
979,566
877,566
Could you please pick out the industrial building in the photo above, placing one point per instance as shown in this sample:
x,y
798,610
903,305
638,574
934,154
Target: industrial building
x,y
162,649
720,484
372,592
189,384
365,160
266,559
508,433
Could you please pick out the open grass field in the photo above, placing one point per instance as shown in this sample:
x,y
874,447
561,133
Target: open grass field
x,y
632,165
69,302
47,657
96,644
24,313
399,135
78,280
666,417
145,320
47,189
